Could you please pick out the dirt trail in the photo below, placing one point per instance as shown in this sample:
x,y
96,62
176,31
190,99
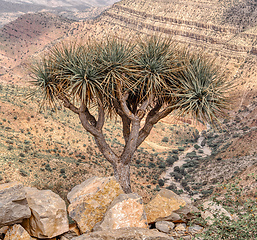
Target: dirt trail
x,y
182,159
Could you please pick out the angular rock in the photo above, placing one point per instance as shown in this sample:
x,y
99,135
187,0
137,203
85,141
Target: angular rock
x,y
13,204
187,212
127,210
3,231
164,226
73,232
173,217
125,234
17,232
164,203
49,217
90,200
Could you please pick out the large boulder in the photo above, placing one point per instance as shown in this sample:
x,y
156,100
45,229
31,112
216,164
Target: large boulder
x,y
49,216
17,232
164,203
13,204
125,234
127,210
90,200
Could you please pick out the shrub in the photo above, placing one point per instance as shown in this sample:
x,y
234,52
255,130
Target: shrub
x,y
23,173
181,149
196,146
244,228
165,139
161,182
176,169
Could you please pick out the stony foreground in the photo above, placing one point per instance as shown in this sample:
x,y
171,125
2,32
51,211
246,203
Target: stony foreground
x,y
100,210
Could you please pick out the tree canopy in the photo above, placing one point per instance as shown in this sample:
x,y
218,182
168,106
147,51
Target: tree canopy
x,y
134,79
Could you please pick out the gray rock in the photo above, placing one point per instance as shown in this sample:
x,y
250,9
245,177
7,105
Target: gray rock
x,y
164,226
125,234
13,204
173,217
187,212
195,229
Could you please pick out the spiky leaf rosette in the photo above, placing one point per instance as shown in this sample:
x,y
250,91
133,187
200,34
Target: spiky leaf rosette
x,y
113,59
200,89
77,72
156,61
44,78
68,71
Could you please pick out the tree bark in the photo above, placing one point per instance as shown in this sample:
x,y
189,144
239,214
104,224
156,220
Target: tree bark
x,y
122,174
132,133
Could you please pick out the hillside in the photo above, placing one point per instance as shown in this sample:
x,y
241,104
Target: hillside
x,y
26,36
214,27
10,10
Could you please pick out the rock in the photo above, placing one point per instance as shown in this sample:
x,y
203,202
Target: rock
x,y
195,229
3,231
13,204
188,237
49,216
211,209
64,238
127,210
17,232
73,232
164,226
164,203
125,234
173,217
208,217
90,200
180,227
187,212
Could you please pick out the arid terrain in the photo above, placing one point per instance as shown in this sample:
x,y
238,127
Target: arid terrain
x,y
50,149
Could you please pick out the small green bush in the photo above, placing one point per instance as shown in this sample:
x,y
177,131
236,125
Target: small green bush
x,y
196,146
244,228
165,139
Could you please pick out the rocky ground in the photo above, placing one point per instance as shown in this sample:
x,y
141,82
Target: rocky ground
x,y
97,205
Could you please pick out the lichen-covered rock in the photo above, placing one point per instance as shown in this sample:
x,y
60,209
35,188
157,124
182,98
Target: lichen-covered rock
x,y
126,210
49,217
125,234
164,203
90,200
17,232
13,204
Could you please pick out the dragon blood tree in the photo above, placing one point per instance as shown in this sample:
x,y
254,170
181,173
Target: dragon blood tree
x,y
139,81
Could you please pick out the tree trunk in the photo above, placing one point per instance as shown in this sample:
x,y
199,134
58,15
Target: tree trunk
x,y
122,174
